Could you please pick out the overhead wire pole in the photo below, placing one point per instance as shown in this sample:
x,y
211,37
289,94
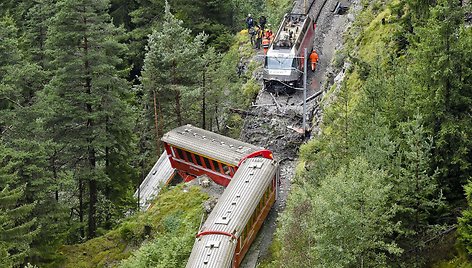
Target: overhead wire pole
x,y
305,63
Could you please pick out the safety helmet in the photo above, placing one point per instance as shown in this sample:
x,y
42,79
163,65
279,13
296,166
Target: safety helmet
x,y
249,15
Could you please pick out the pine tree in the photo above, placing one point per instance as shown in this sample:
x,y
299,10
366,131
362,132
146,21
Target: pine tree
x,y
416,190
35,30
170,71
10,54
86,96
27,153
17,229
352,218
210,93
465,222
442,55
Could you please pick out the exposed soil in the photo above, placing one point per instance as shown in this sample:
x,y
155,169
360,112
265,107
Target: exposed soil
x,y
275,122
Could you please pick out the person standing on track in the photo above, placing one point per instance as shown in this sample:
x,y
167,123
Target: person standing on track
x,y
314,59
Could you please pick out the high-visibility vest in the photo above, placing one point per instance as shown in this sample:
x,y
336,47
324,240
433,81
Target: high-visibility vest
x,y
265,43
313,57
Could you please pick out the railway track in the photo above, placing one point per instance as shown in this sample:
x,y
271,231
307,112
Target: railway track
x,y
275,122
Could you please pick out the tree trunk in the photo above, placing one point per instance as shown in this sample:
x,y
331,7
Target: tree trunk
x,y
156,124
92,225
91,150
203,101
81,208
56,192
216,117
178,109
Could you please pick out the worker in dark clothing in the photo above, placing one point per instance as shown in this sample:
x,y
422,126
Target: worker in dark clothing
x,y
259,34
314,59
250,29
262,22
249,22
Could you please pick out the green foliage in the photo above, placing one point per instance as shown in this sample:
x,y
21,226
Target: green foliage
x,y
37,19
86,100
169,77
17,228
250,90
465,222
166,251
397,115
295,235
443,47
167,229
276,9
355,202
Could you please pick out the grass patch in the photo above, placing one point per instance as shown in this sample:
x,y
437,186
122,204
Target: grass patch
x,y
176,213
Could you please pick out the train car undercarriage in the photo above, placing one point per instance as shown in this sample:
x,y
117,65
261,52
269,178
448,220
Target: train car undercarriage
x,y
280,87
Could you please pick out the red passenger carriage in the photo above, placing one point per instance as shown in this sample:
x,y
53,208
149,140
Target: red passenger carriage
x,y
194,152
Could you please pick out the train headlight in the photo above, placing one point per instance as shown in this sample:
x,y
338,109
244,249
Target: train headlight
x,y
291,84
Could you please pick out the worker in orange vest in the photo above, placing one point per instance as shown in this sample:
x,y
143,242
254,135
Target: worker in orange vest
x,y
314,59
265,44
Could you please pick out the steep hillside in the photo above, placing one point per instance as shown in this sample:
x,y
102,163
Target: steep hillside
x,y
381,184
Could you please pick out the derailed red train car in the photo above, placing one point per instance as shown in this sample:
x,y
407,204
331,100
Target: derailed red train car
x,y
194,152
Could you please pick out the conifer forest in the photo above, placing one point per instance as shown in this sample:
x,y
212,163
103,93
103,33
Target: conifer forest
x,y
89,87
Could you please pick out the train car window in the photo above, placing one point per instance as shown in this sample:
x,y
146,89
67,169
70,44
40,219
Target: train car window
x,y
226,170
187,156
193,157
244,234
280,63
199,160
220,166
176,153
207,162
216,166
305,28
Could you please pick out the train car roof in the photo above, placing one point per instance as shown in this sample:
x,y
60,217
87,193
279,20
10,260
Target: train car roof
x,y
212,251
233,210
241,197
207,143
288,33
